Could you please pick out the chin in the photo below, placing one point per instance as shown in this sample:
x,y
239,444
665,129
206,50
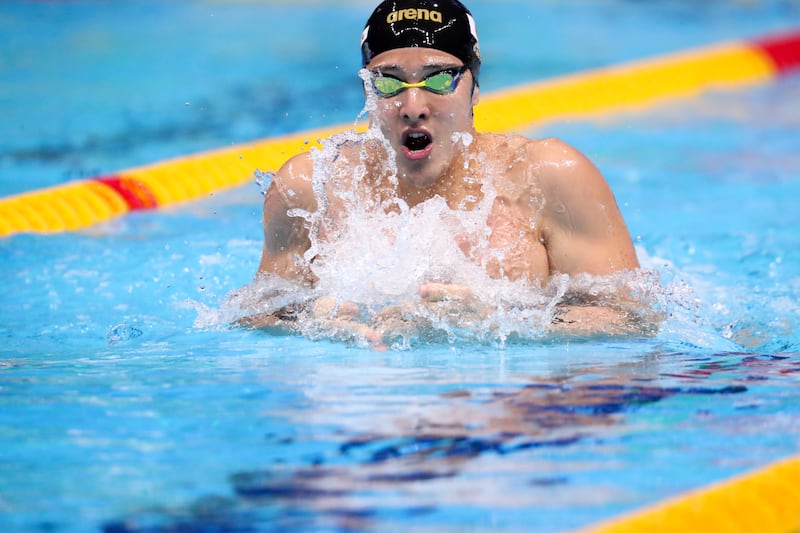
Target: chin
x,y
419,174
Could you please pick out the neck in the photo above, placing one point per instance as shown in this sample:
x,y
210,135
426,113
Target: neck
x,y
453,184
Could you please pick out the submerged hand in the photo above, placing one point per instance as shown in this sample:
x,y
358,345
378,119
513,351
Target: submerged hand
x,y
341,318
454,301
338,318
437,292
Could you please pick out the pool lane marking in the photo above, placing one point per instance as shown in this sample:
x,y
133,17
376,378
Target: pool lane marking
x,y
632,85
782,50
66,207
133,192
629,86
766,501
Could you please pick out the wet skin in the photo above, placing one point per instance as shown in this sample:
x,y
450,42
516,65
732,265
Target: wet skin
x,y
552,212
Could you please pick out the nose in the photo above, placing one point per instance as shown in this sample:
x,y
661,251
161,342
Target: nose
x,y
414,105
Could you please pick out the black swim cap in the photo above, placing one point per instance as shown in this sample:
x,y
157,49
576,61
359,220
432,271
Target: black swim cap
x,y
445,25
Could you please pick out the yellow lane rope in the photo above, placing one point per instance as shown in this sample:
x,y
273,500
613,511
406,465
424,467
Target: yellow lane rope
x,y
764,501
634,85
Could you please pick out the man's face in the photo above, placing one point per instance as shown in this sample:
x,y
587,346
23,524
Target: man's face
x,y
418,123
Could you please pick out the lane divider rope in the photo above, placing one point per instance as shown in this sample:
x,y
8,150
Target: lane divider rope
x,y
80,204
766,500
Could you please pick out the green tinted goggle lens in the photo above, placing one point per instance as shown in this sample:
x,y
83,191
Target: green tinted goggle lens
x,y
442,82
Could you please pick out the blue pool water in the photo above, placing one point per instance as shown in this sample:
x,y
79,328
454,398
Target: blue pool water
x,y
126,405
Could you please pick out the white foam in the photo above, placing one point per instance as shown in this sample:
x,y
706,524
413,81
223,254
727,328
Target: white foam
x,y
376,256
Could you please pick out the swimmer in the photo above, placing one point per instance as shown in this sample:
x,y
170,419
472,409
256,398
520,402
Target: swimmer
x,y
551,214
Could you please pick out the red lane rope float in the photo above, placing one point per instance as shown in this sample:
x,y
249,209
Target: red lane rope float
x,y
135,194
638,84
783,50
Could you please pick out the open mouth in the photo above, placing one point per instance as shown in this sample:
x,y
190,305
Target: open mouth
x,y
417,144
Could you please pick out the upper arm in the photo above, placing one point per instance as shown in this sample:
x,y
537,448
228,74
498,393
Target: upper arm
x,y
286,237
583,228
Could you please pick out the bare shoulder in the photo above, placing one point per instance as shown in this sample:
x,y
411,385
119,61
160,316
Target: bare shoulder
x,y
285,235
501,147
549,165
505,159
504,145
565,175
291,188
554,159
293,180
550,148
581,222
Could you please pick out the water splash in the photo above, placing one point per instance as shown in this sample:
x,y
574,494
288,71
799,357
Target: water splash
x,y
263,179
122,333
371,98
372,254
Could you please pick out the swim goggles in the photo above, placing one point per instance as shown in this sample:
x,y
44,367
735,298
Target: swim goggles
x,y
440,82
